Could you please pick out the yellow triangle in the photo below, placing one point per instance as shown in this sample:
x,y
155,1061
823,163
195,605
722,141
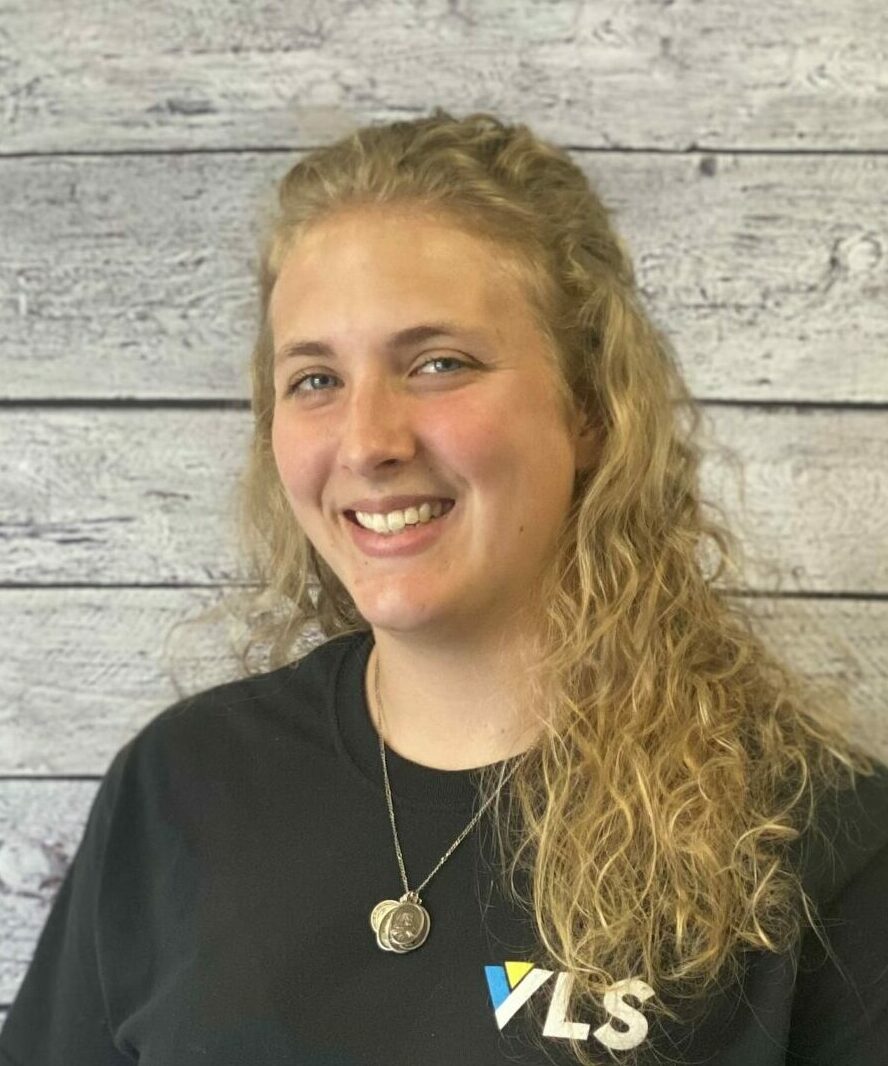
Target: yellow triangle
x,y
516,970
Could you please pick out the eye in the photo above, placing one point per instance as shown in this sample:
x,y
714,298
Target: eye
x,y
443,359
295,386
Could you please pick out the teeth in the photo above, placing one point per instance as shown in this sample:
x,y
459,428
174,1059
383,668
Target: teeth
x,y
395,521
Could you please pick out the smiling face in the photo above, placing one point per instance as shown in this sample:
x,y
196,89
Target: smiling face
x,y
471,414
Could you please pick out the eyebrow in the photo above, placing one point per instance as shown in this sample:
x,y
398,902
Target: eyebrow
x,y
403,338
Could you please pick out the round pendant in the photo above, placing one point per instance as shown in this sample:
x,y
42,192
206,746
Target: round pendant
x,y
403,926
379,910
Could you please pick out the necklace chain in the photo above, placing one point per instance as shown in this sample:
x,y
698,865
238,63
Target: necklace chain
x,y
391,809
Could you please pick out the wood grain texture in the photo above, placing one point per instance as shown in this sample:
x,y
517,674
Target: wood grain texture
x,y
82,669
668,74
111,496
142,496
133,277
41,825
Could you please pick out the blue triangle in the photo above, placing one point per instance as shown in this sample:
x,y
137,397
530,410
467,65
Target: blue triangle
x,y
497,984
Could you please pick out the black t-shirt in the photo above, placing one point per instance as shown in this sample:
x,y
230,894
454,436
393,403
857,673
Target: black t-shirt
x,y
217,912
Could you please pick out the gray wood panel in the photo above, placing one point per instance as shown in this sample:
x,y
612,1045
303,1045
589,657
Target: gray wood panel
x,y
41,825
82,669
133,276
143,496
110,496
113,75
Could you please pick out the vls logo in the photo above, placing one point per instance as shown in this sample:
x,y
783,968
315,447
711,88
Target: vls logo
x,y
512,985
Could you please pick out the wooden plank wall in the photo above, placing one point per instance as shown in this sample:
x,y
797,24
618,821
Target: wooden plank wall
x,y
742,145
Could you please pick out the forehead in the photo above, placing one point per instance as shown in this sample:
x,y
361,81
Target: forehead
x,y
407,265
354,234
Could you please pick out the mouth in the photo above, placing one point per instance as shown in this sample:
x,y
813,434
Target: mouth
x,y
448,506
404,543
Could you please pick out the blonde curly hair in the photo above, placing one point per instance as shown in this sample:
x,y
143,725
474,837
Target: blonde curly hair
x,y
649,830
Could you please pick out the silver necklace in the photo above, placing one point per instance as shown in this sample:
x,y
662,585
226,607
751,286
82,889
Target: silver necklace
x,y
402,925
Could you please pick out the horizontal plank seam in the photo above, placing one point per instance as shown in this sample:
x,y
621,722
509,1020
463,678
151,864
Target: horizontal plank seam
x,y
50,777
851,595
588,149
79,404
171,587
810,594
124,404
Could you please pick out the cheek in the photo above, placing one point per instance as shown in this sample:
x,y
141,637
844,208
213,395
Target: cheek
x,y
498,441
293,458
471,439
474,450
280,449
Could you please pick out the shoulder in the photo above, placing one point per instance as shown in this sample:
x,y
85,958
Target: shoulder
x,y
222,727
848,838
840,1003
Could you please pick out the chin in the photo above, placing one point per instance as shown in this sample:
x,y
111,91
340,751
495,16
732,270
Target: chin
x,y
395,613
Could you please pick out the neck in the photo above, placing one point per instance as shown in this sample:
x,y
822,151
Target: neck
x,y
449,711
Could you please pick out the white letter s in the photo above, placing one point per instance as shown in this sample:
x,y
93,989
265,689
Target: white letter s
x,y
615,1004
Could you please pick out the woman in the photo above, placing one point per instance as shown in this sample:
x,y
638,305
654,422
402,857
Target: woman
x,y
541,795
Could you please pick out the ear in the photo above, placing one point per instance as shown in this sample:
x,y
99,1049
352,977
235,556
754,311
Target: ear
x,y
587,442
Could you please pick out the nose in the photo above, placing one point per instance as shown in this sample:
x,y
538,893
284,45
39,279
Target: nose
x,y
377,425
